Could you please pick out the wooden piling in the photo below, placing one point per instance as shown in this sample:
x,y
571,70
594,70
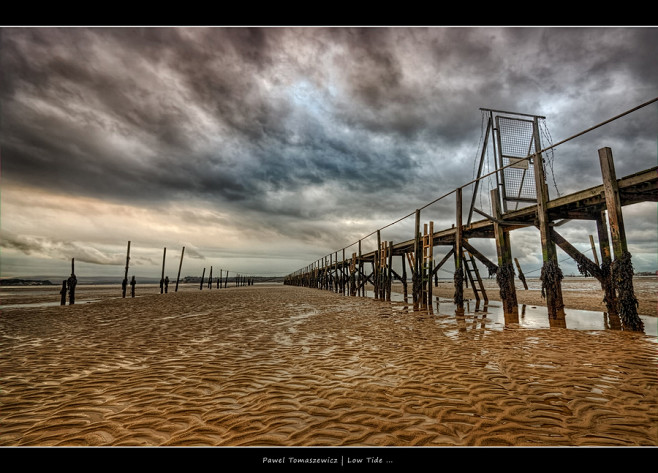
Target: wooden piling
x,y
389,276
203,275
72,282
404,276
360,290
505,270
180,265
125,277
415,276
551,275
459,255
622,268
609,295
164,254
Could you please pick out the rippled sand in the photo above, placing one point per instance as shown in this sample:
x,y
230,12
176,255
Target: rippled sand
x,y
287,366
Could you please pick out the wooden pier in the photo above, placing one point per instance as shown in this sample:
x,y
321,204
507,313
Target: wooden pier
x,y
614,273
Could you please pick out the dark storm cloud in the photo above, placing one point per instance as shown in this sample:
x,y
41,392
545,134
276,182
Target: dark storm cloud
x,y
251,118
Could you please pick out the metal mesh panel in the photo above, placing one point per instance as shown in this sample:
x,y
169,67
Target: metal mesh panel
x,y
516,141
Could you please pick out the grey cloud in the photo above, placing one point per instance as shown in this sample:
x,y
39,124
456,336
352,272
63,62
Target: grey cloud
x,y
386,119
82,252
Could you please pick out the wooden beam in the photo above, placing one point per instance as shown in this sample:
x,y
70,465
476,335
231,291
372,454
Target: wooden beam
x,y
521,275
583,261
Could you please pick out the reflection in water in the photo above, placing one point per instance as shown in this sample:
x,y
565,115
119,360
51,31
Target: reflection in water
x,y
493,316
512,317
612,321
557,322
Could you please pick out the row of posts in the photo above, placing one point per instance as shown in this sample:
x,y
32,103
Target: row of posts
x,y
69,285
347,276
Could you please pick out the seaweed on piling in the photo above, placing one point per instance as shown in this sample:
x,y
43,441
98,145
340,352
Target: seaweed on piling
x,y
459,281
622,280
505,280
551,279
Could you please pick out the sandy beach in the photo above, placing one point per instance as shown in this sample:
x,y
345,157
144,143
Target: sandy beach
x,y
273,365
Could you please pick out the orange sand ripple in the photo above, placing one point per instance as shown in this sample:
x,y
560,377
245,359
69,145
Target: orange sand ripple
x,y
280,365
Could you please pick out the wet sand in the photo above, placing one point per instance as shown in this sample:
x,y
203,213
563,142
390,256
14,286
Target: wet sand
x,y
275,365
577,293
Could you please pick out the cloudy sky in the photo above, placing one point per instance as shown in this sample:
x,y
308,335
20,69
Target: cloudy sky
x,y
262,150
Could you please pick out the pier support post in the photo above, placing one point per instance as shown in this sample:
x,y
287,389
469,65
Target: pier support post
x,y
377,270
551,274
415,276
609,297
389,274
505,271
459,255
622,268
404,277
360,273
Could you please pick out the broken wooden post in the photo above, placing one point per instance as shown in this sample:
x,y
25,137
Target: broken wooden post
x,y
210,279
521,275
551,274
219,280
124,284
203,275
62,293
622,268
505,270
180,265
164,254
71,282
459,255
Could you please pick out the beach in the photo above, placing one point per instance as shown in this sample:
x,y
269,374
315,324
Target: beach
x,y
273,365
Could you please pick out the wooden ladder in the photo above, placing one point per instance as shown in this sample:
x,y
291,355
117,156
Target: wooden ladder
x,y
474,277
427,262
